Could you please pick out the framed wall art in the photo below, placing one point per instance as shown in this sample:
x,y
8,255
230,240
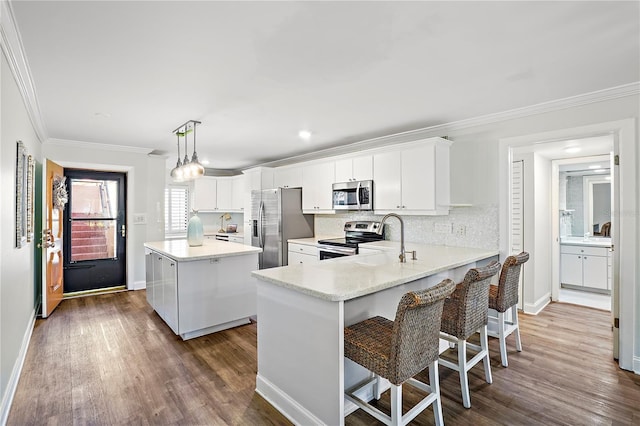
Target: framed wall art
x,y
21,195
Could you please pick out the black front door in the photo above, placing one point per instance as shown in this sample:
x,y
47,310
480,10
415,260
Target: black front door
x,y
95,231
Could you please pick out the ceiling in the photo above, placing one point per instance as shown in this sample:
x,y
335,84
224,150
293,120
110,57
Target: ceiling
x,y
256,73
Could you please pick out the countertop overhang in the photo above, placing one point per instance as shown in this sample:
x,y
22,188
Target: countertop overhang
x,y
349,277
181,251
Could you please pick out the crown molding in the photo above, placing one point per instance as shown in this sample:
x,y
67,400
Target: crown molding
x,y
97,146
622,91
11,44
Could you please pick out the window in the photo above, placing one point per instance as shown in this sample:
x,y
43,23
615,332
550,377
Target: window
x,y
176,209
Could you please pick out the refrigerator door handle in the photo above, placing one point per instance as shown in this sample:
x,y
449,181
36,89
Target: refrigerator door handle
x,y
260,225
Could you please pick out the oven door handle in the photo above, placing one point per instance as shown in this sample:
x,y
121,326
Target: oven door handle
x,y
332,249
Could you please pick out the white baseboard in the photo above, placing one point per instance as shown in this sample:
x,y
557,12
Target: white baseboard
x,y
139,285
12,385
289,407
538,306
636,364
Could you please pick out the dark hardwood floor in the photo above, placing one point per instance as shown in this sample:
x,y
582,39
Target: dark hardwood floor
x,y
110,359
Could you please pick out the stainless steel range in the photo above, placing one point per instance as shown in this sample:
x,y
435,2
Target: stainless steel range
x,y
356,232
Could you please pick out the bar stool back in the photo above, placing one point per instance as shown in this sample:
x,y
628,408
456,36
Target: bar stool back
x,y
505,296
398,350
464,314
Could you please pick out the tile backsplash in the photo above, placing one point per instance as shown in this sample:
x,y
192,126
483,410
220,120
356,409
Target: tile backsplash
x,y
475,226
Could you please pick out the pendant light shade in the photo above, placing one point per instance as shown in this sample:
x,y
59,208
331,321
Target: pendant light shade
x,y
186,170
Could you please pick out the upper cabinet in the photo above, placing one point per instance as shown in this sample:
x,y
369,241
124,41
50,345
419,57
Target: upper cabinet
x,y
413,179
354,169
288,177
218,194
317,181
204,194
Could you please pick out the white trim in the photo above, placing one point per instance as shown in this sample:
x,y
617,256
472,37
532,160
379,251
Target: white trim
x,y
11,44
630,89
624,238
12,385
537,307
94,145
139,285
636,364
286,405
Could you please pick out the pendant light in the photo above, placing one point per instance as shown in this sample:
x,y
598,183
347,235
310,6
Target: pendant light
x,y
186,170
197,169
176,172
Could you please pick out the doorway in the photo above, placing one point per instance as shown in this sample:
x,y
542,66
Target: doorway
x,y
95,232
585,201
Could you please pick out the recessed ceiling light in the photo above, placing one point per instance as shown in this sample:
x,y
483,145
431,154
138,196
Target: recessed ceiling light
x,y
595,166
572,149
304,134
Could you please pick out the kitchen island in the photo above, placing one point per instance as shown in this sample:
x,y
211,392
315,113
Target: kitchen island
x,y
204,289
302,312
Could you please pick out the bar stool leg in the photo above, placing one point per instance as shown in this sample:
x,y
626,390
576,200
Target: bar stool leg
x,y
396,405
434,382
503,339
484,344
514,319
464,380
378,386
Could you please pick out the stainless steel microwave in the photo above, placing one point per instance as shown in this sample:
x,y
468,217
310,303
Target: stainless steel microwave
x,y
356,195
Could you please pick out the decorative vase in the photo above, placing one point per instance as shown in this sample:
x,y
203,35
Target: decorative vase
x,y
195,231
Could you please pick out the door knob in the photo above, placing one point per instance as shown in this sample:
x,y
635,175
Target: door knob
x,y
123,231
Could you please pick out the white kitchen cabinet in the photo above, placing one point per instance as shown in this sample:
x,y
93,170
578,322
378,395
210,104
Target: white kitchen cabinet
x,y
238,190
317,181
161,284
302,253
354,169
413,179
288,177
585,266
204,194
224,191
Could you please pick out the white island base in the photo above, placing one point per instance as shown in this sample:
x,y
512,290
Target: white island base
x,y
301,366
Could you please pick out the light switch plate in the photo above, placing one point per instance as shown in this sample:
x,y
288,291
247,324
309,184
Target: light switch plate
x,y
139,218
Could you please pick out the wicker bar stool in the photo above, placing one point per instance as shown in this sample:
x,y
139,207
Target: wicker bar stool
x,y
398,350
464,314
505,296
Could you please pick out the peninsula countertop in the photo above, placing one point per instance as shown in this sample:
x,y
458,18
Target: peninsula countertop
x,y
349,277
181,251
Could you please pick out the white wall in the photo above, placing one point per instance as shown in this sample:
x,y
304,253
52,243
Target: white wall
x,y
17,297
145,192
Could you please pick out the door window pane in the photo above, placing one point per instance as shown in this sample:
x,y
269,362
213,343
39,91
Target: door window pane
x,y
94,211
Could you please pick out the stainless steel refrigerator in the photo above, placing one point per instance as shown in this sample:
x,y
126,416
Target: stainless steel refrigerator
x,y
276,216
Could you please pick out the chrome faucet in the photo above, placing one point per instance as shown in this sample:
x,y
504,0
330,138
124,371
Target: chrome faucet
x,y
403,258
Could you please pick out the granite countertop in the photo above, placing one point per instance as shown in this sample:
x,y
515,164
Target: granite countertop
x,y
181,251
349,277
589,242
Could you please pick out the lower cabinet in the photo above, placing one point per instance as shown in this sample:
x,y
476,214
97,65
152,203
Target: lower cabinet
x,y
162,288
585,266
198,297
302,253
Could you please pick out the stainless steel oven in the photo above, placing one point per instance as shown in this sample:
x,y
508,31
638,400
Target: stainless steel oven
x,y
356,195
331,252
356,232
